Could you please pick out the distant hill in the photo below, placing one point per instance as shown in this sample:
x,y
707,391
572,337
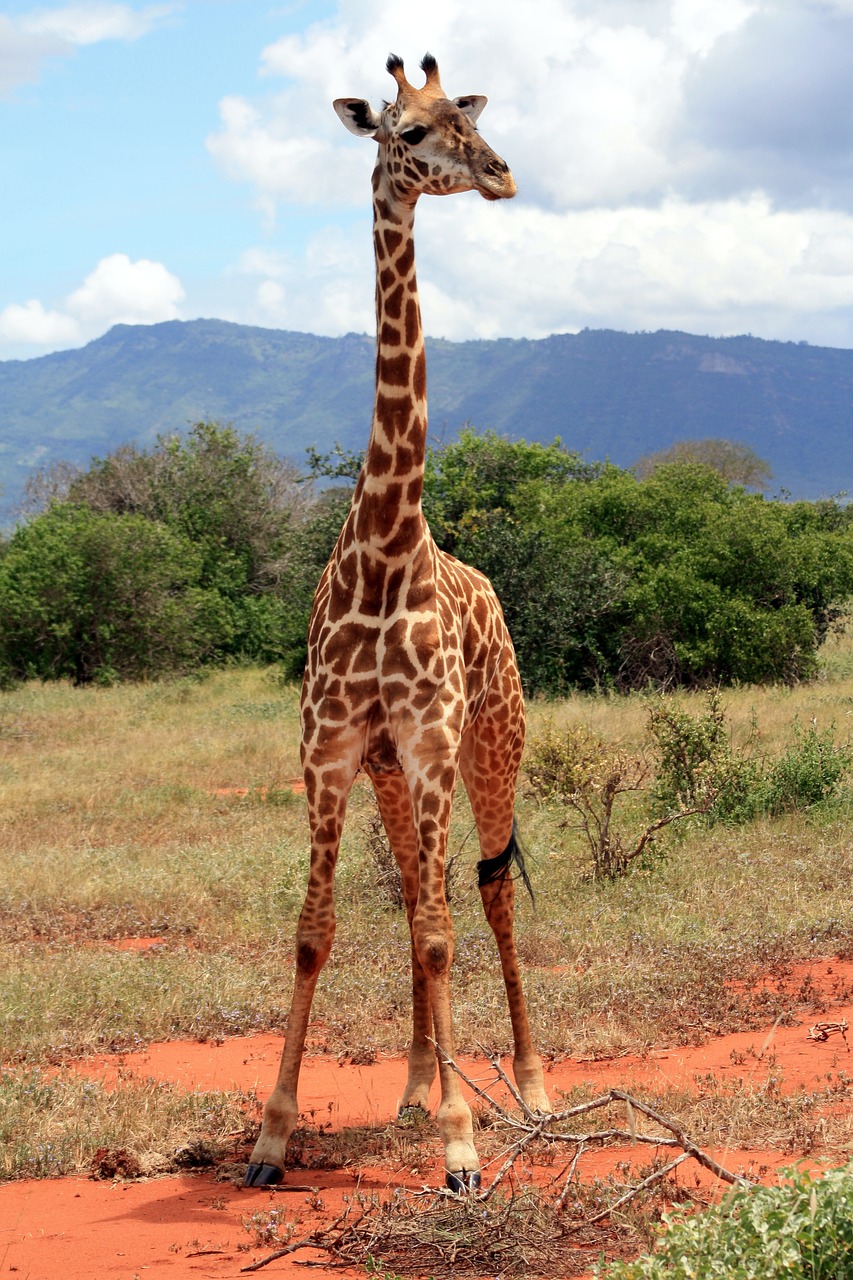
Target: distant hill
x,y
607,394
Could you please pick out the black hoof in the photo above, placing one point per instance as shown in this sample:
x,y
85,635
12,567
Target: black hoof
x,y
262,1175
463,1183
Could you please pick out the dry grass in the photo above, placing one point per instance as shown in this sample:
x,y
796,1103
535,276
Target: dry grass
x,y
59,1123
165,810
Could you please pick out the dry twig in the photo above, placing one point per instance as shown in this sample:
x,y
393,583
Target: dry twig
x,y
823,1030
523,1230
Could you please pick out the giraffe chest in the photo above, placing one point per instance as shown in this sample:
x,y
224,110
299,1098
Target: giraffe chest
x,y
389,679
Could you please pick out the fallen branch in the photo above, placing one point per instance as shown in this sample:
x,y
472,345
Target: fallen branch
x,y
823,1030
316,1240
523,1229
542,1126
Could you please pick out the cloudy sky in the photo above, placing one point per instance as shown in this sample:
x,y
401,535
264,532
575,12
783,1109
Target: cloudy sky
x,y
680,163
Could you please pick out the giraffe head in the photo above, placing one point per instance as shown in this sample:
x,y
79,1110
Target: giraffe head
x,y
429,143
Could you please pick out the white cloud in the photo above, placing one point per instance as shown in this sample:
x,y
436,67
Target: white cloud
x,y
635,210
487,271
585,98
32,325
712,267
280,163
27,40
117,291
698,24
22,54
633,131
92,23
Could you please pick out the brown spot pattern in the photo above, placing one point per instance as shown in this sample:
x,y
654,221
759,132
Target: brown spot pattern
x,y
410,672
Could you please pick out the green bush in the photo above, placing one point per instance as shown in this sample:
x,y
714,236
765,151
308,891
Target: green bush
x,y
608,580
238,505
695,760
810,771
99,597
556,598
801,1229
592,780
696,763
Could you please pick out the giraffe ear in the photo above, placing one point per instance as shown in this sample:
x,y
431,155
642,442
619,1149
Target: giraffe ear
x,y
471,105
358,116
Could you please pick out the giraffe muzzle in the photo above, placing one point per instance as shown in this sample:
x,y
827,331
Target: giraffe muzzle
x,y
494,180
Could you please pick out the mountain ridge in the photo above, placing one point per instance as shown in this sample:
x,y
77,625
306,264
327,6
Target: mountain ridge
x,y
605,393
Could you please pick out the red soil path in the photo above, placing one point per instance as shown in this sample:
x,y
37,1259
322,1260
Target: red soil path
x,y
192,1226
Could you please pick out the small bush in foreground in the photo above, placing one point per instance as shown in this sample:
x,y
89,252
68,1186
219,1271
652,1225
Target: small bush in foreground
x,y
55,1124
578,769
799,1230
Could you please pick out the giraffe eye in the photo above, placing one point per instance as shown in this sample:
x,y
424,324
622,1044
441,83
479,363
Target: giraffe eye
x,y
416,134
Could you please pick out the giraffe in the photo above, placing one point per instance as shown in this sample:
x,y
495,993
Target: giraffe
x,y
411,674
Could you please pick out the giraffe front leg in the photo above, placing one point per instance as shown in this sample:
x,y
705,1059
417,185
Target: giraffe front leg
x,y
314,936
395,809
432,932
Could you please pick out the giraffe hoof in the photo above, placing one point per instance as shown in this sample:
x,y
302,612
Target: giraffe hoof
x,y
262,1175
463,1182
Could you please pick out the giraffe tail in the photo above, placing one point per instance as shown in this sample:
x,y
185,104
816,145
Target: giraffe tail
x,y
491,869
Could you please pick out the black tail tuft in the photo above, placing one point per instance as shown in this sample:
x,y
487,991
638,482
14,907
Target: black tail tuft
x,y
490,869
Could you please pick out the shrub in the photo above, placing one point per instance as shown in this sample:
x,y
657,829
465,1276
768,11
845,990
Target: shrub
x,y
697,766
95,597
810,771
801,1229
696,761
577,769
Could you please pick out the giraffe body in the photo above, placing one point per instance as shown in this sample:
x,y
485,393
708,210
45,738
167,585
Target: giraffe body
x,y
411,675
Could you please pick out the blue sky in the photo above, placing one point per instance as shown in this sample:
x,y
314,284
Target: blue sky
x,y
681,164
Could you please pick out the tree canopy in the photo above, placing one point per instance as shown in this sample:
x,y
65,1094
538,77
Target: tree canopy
x,y
733,460
208,548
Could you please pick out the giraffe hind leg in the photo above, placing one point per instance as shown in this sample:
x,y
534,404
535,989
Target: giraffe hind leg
x,y
489,764
491,869
497,891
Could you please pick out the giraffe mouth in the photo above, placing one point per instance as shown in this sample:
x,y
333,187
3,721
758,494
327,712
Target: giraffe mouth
x,y
495,182
505,191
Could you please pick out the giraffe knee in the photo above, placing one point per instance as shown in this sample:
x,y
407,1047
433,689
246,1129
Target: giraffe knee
x,y
435,954
311,955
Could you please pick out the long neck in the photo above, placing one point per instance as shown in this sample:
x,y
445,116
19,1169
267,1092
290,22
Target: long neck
x,y
388,494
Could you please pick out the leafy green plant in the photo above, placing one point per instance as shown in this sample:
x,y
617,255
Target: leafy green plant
x,y
800,1229
696,759
810,770
697,766
96,597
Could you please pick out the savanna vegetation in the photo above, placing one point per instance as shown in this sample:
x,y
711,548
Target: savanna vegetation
x,y
165,809
686,801
206,550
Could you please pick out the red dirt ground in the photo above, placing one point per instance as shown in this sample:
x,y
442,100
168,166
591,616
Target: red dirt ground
x,y
192,1226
